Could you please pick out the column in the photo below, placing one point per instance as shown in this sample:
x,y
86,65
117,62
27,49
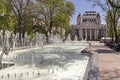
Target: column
x,y
80,33
90,35
86,33
95,34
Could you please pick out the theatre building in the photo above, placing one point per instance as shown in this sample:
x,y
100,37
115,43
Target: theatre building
x,y
88,27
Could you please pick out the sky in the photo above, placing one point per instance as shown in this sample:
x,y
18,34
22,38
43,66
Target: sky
x,y
81,6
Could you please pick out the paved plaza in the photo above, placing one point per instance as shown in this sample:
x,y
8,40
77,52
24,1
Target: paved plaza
x,y
109,61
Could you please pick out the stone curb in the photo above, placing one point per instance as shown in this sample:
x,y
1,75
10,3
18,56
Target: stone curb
x,y
94,67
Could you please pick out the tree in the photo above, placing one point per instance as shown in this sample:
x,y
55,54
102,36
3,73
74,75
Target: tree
x,y
114,16
52,13
68,10
114,4
24,13
109,23
115,21
6,24
14,14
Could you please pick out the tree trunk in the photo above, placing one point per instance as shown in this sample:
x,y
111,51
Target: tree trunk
x,y
116,36
112,33
115,32
23,36
115,21
65,37
47,38
112,37
20,33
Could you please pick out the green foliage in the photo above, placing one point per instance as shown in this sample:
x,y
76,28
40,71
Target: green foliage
x,y
109,22
113,15
2,7
44,16
6,20
55,14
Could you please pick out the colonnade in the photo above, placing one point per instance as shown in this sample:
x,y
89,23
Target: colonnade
x,y
88,33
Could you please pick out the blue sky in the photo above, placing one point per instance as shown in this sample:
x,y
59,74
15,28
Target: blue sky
x,y
82,6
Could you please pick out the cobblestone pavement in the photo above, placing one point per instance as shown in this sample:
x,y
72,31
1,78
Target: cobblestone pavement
x,y
109,61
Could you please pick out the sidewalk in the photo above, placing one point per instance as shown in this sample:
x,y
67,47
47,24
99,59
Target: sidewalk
x,y
109,61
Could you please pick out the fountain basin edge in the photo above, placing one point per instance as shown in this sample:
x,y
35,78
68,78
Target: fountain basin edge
x,y
93,73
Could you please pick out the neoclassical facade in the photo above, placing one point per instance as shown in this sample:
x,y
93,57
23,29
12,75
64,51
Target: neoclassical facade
x,y
88,27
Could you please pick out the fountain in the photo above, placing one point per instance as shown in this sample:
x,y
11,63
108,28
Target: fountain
x,y
56,61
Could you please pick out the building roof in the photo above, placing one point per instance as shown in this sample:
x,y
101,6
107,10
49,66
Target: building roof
x,y
90,13
88,24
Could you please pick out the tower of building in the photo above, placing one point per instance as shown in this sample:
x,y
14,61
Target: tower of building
x,y
79,19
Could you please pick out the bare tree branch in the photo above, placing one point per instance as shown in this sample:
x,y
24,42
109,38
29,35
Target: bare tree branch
x,y
114,5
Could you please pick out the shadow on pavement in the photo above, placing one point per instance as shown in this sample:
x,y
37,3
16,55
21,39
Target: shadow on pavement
x,y
104,51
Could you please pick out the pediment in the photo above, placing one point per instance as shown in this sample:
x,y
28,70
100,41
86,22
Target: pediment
x,y
88,24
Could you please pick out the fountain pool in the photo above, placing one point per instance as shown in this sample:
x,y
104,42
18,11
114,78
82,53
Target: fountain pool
x,y
62,61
